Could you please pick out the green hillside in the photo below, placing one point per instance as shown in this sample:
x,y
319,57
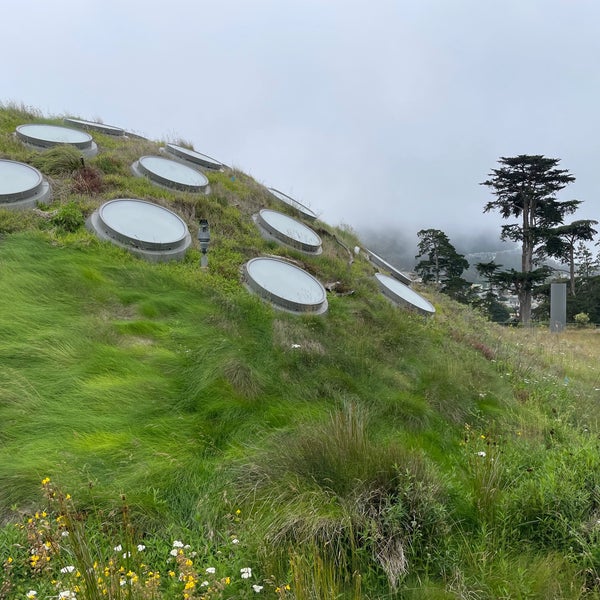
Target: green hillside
x,y
195,442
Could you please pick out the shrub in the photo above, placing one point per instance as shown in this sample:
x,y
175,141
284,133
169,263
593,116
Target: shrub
x,y
68,218
60,160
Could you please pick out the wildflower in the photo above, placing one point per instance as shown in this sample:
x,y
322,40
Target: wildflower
x,y
235,541
126,554
482,436
46,481
31,595
481,453
177,544
141,547
238,512
246,572
118,548
67,595
174,552
257,588
67,569
210,570
64,534
204,584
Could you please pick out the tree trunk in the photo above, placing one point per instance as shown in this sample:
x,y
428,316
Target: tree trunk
x,y
572,269
525,307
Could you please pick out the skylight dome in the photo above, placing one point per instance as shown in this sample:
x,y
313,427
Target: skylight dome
x,y
170,174
403,295
146,229
288,231
22,186
285,285
41,137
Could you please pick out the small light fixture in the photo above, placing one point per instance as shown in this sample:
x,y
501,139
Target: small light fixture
x,y
204,239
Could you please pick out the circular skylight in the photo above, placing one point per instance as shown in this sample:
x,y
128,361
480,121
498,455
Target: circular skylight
x,y
170,173
94,126
22,186
289,231
403,295
194,157
148,230
48,136
383,264
303,210
285,285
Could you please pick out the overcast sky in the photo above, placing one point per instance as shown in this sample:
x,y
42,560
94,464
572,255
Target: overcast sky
x,y
385,113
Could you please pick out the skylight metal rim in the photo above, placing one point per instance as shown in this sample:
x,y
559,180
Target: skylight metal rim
x,y
23,194
286,239
301,208
136,242
211,163
44,143
93,126
164,181
283,303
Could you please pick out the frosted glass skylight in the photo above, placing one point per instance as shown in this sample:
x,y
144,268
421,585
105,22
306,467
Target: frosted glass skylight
x,y
285,285
403,295
303,210
94,126
47,136
170,173
149,230
289,231
22,186
201,160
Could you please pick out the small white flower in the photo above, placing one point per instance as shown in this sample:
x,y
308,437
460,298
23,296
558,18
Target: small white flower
x,y
67,595
257,588
177,544
174,552
187,546
246,572
296,346
204,584
141,547
210,570
31,594
118,548
67,569
481,453
235,541
126,554
64,534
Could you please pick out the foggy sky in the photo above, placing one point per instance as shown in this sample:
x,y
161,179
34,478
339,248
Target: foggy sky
x,y
375,114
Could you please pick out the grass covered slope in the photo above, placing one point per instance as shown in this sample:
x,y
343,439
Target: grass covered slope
x,y
365,453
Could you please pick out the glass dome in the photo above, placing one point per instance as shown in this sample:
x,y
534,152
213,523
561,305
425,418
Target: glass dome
x,y
403,295
47,136
147,229
194,157
383,264
94,126
289,231
170,174
303,210
285,285
21,185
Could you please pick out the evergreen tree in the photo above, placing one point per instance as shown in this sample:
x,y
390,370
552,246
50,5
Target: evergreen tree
x,y
442,264
562,240
525,188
